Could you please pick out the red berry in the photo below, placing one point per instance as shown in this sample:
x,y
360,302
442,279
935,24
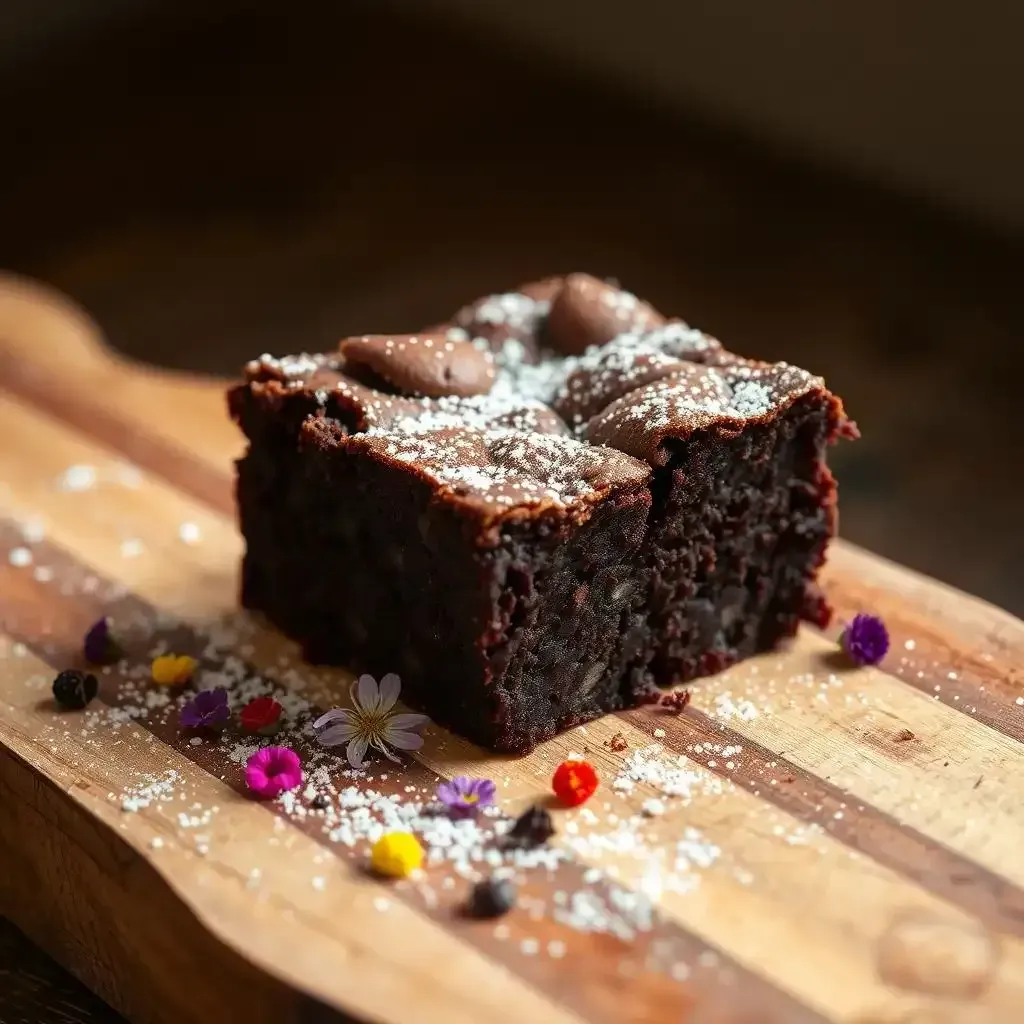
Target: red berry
x,y
574,782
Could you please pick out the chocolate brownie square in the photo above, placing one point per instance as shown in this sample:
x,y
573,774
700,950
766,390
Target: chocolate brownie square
x,y
537,512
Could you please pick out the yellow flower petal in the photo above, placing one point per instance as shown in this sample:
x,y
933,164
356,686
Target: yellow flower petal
x,y
396,854
173,669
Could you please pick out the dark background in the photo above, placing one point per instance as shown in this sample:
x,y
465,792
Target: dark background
x,y
211,182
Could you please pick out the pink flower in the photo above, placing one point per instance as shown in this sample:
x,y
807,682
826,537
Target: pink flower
x,y
272,770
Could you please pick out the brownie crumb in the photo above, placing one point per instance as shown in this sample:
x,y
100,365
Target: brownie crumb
x,y
903,735
648,697
492,897
617,743
320,802
676,701
532,828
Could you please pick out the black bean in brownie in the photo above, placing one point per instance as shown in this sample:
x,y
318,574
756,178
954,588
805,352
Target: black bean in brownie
x,y
537,512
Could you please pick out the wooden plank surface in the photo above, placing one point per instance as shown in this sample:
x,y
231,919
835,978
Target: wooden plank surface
x,y
815,863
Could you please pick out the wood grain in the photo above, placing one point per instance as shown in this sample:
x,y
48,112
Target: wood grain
x,y
837,839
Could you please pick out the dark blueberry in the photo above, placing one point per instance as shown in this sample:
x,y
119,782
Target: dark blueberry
x,y
320,802
532,828
491,898
73,689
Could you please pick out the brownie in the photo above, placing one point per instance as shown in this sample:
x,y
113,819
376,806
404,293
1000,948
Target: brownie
x,y
537,512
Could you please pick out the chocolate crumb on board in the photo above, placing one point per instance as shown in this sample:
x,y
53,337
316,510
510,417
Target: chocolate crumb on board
x,y
676,701
617,743
903,735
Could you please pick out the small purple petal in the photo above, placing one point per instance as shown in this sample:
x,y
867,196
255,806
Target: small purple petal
x,y
463,795
866,640
404,740
407,721
334,715
335,735
206,710
390,688
356,752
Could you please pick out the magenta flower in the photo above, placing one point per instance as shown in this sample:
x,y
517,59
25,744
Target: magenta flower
x,y
463,795
208,709
370,722
272,770
865,640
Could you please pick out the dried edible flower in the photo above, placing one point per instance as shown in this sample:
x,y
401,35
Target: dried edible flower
x,y
208,709
262,715
463,795
574,782
99,646
272,770
173,669
865,640
396,854
74,690
370,722
491,897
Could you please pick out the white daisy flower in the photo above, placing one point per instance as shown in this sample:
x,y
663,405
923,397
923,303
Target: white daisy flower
x,y
370,722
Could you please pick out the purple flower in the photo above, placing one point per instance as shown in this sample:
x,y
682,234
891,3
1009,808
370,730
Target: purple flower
x,y
100,647
208,709
865,640
463,795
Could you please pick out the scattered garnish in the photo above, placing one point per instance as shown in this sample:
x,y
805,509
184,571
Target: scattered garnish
x,y
173,669
73,689
617,743
262,715
574,782
865,640
396,854
320,802
464,796
676,701
208,709
370,722
533,827
272,770
491,898
99,646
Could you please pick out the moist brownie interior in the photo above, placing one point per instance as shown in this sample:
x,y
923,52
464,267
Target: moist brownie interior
x,y
537,512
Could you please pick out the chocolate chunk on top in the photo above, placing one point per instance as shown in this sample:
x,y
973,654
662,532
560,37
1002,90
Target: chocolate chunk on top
x,y
421,365
590,312
503,469
560,358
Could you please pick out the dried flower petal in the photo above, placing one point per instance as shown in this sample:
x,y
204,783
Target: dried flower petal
x,y
173,669
865,640
262,715
574,782
464,796
208,709
272,770
370,722
396,854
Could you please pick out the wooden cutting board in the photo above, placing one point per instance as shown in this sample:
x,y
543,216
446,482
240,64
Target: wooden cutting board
x,y
846,844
